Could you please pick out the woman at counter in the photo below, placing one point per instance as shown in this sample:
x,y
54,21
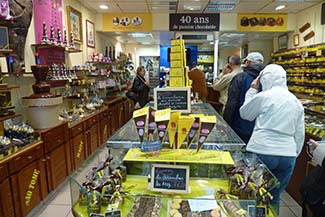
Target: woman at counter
x,y
141,88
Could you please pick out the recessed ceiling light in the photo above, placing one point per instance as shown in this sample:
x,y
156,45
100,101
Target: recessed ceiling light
x,y
140,35
104,7
211,42
279,7
192,7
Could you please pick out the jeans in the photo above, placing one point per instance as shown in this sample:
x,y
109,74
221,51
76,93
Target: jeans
x,y
282,167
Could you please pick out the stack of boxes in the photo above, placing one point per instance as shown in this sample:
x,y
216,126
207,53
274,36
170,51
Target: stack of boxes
x,y
178,71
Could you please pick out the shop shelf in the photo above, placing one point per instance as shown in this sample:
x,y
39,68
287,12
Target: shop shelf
x,y
5,52
46,46
73,50
6,88
307,85
3,118
61,83
307,95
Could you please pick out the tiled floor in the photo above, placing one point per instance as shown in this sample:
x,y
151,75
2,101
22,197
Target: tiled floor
x,y
58,204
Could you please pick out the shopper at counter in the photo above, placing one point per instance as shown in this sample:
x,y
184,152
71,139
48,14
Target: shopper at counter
x,y
141,88
313,186
222,82
279,130
236,95
198,81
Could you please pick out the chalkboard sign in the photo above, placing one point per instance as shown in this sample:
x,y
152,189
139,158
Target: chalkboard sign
x,y
169,178
178,99
115,213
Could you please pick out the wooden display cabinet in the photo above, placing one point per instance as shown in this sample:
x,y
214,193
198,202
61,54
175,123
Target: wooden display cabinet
x,y
6,200
103,127
78,149
29,187
91,134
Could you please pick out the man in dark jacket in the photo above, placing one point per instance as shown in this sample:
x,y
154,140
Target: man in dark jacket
x,y
236,96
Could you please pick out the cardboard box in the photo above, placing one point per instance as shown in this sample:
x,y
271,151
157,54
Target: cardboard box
x,y
176,56
177,42
176,48
179,71
176,81
176,63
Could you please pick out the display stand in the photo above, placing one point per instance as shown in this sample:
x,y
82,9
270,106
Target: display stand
x,y
208,176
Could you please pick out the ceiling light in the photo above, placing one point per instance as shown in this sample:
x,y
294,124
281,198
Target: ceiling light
x,y
211,42
221,6
232,35
279,7
140,35
192,7
146,43
104,7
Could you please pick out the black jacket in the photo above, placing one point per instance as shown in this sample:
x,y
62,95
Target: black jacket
x,y
236,97
141,89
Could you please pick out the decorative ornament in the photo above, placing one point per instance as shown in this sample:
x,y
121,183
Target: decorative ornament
x,y
52,39
45,38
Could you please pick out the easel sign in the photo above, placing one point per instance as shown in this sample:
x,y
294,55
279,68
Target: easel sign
x,y
113,213
177,99
170,178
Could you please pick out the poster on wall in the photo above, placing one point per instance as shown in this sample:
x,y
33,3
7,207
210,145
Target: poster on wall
x,y
151,66
50,12
127,22
90,33
262,22
74,18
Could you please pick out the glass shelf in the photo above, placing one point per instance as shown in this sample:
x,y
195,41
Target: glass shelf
x,y
221,137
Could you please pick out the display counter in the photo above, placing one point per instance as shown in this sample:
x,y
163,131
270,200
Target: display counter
x,y
120,180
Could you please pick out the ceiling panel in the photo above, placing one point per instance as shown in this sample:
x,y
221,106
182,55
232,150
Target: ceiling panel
x,y
290,7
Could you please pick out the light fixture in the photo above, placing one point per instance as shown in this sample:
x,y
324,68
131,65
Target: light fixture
x,y
192,7
279,7
139,35
221,6
104,7
211,42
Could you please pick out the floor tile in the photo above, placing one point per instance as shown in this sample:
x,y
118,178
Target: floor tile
x,y
62,198
282,203
297,210
55,211
288,200
286,212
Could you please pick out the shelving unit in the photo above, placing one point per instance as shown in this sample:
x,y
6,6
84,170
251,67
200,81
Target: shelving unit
x,y
5,52
49,46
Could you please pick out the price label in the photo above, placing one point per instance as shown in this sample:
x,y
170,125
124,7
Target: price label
x,y
319,53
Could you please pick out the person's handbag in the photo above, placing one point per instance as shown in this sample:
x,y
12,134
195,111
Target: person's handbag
x,y
131,95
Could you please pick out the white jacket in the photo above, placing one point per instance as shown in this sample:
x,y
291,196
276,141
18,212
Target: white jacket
x,y
279,127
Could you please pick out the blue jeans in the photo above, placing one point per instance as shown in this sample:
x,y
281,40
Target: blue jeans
x,y
282,167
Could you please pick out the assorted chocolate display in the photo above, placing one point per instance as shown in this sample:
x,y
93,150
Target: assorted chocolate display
x,y
61,72
103,187
180,128
16,136
146,206
59,40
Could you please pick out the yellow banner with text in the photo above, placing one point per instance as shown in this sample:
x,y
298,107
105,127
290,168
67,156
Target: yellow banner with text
x,y
262,22
127,22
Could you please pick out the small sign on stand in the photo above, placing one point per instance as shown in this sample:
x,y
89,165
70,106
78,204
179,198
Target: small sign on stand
x,y
177,99
113,213
170,178
96,215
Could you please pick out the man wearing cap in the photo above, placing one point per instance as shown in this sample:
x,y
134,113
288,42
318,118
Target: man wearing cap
x,y
222,82
198,81
236,95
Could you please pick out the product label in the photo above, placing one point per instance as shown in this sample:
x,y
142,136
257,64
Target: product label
x,y
31,187
80,149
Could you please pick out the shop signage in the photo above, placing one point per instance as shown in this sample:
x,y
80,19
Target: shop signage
x,y
115,213
177,99
194,22
127,22
262,22
31,187
169,178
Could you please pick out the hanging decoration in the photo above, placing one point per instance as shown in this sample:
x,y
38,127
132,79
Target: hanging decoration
x,y
5,10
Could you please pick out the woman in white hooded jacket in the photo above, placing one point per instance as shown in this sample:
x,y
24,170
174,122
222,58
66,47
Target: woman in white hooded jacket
x,y
279,131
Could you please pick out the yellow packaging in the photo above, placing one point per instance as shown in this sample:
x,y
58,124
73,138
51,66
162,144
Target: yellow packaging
x,y
172,127
176,81
140,112
176,49
177,42
176,56
176,63
184,125
162,118
176,72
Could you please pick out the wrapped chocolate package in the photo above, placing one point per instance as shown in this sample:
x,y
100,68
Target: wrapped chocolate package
x,y
145,206
162,118
207,124
140,118
151,124
184,125
172,127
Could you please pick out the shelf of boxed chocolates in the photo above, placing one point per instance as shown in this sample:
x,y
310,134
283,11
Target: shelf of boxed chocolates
x,y
122,180
5,52
51,46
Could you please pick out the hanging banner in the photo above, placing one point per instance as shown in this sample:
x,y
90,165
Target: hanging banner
x,y
49,12
194,22
127,22
262,22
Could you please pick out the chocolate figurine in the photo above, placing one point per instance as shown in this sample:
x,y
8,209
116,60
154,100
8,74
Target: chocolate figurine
x,y
59,42
52,39
72,46
65,40
45,38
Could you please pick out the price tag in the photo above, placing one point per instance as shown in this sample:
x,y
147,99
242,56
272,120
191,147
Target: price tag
x,y
115,213
319,53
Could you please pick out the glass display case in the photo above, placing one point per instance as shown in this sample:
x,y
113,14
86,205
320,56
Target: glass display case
x,y
218,180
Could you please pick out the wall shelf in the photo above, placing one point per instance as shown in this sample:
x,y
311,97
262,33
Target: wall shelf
x,y
8,87
3,118
5,52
